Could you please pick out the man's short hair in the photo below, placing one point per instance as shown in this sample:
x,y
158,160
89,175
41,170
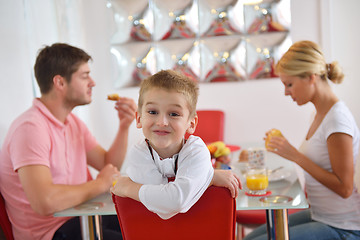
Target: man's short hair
x,y
57,59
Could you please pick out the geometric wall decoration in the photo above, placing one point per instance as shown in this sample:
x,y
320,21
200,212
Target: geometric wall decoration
x,y
208,40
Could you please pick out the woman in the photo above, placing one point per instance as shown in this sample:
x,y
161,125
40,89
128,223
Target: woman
x,y
328,153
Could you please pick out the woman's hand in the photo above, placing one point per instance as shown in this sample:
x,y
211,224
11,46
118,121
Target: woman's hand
x,y
228,179
282,147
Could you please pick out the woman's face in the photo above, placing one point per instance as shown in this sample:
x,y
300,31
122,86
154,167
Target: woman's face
x,y
299,89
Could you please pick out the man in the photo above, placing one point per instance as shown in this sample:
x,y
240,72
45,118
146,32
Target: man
x,y
43,162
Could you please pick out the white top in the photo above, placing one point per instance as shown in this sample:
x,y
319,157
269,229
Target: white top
x,y
325,205
166,199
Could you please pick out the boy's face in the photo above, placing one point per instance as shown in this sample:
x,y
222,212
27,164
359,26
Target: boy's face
x,y
164,119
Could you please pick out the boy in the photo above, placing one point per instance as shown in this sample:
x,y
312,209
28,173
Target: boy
x,y
167,173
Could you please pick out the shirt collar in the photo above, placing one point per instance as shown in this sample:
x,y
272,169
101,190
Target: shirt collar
x,y
152,151
45,111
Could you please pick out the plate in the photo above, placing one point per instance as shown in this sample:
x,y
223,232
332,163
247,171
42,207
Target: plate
x,y
276,199
279,175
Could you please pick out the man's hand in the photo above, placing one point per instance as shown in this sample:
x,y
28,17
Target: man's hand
x,y
228,179
106,176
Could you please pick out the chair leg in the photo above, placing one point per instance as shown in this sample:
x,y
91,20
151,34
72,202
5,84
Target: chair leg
x,y
240,231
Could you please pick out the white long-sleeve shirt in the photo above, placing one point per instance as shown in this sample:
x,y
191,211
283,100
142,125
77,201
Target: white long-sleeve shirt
x,y
194,174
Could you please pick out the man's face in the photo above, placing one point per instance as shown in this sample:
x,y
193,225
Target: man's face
x,y
79,90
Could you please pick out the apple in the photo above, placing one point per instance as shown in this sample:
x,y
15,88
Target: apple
x,y
273,133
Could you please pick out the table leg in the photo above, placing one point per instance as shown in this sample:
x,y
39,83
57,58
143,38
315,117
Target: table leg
x,y
277,224
91,228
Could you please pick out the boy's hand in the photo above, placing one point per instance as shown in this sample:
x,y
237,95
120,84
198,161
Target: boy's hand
x,y
228,179
125,187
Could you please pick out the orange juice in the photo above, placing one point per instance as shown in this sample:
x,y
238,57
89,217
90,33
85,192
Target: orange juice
x,y
257,182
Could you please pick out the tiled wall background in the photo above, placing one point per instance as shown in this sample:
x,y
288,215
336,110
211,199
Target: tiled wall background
x,y
208,40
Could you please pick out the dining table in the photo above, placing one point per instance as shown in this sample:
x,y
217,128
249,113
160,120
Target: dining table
x,y
283,192
90,213
284,185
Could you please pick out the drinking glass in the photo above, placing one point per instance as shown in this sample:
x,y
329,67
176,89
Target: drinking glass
x,y
257,180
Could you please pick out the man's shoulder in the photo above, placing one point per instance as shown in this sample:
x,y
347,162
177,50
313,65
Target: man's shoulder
x,y
73,119
32,116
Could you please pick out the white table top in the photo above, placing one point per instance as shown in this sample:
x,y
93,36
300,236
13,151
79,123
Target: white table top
x,y
288,186
285,185
100,205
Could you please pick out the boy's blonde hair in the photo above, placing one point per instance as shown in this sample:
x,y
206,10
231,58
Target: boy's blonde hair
x,y
171,81
305,58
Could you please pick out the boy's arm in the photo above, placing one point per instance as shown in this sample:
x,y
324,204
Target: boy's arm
x,y
125,187
228,179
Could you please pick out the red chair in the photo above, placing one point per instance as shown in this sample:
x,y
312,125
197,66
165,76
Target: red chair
x,y
4,220
212,217
211,127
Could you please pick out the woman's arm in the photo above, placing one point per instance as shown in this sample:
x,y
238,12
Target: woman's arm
x,y
340,180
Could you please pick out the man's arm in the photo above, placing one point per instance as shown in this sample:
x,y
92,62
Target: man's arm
x,y
46,198
98,157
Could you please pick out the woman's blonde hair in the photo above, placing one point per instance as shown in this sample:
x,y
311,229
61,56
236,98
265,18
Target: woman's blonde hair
x,y
171,81
305,58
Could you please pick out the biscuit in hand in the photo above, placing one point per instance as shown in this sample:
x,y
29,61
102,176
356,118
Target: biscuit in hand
x,y
113,97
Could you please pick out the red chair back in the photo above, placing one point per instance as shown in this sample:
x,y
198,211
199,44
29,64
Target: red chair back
x,y
210,126
4,220
212,217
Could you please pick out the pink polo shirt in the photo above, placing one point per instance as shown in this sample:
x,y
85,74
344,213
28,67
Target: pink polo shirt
x,y
37,137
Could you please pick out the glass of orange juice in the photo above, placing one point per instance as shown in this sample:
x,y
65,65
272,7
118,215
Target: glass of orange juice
x,y
257,180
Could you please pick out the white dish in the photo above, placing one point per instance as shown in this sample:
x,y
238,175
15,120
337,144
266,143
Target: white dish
x,y
279,175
